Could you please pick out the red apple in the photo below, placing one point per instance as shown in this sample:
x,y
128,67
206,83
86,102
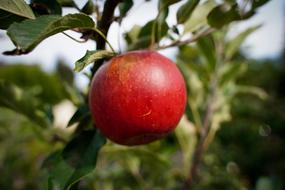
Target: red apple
x,y
137,97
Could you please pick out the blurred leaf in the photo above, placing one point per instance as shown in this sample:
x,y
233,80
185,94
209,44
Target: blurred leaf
x,y
142,153
230,71
28,34
51,88
164,4
90,57
81,113
14,11
88,8
64,72
234,44
198,18
224,14
141,43
44,7
66,3
125,6
76,160
259,92
186,10
23,102
207,47
259,3
186,136
133,34
17,7
264,183
159,26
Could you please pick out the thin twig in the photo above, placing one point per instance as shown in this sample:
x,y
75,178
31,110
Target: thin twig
x,y
203,141
193,39
103,26
79,41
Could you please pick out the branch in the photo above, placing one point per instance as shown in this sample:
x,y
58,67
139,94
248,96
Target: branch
x,y
203,142
104,25
193,39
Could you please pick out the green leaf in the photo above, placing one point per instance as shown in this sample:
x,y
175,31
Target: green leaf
x,y
198,18
29,33
224,14
207,47
81,113
24,102
17,7
14,11
186,10
133,34
6,19
185,133
44,7
160,29
141,43
88,8
90,57
259,92
66,3
164,4
125,6
230,71
259,3
234,44
75,161
50,87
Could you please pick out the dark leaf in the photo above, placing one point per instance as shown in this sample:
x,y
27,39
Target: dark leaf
x,y
186,10
44,7
224,14
29,33
17,7
88,8
207,47
66,3
90,57
81,113
258,3
6,19
76,160
159,29
14,11
125,6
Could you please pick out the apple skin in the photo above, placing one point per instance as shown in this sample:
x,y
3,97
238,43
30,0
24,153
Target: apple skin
x,y
137,97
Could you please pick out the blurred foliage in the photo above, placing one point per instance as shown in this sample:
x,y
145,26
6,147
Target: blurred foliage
x,y
242,99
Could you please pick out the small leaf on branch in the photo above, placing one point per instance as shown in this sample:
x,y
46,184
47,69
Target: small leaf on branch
x,y
88,8
29,33
225,14
186,10
125,6
90,57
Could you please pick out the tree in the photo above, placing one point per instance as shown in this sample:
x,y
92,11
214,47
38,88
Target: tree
x,y
207,59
